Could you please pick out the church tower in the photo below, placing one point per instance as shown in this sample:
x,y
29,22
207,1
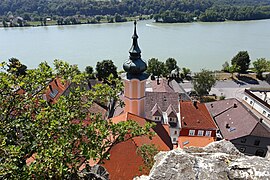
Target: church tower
x,y
135,80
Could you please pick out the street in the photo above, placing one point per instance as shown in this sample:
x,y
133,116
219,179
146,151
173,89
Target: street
x,y
228,88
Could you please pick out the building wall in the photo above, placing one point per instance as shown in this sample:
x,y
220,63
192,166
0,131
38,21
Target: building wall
x,y
185,132
252,145
253,103
174,134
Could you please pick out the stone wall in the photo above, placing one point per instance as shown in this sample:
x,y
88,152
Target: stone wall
x,y
219,160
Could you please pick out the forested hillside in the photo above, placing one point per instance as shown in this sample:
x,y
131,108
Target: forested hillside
x,y
162,10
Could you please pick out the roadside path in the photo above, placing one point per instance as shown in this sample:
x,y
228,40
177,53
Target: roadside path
x,y
228,88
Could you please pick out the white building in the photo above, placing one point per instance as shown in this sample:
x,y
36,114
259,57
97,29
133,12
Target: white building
x,y
259,100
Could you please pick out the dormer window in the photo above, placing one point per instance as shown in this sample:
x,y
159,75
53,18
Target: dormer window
x,y
171,119
157,118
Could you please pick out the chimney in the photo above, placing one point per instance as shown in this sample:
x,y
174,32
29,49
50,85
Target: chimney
x,y
261,120
158,80
195,104
234,105
227,126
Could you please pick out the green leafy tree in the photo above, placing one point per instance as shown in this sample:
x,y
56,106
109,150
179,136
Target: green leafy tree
x,y
233,69
105,68
147,152
16,67
242,60
171,64
225,67
203,82
62,135
185,73
156,67
261,65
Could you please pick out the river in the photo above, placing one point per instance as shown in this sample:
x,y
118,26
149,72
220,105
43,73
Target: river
x,y
193,45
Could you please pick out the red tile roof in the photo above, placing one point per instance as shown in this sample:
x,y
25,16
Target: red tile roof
x,y
187,141
55,89
196,117
124,162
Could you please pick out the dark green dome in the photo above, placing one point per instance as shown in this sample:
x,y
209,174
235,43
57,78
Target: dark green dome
x,y
135,66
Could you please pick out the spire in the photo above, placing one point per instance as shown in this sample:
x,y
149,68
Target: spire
x,y
135,66
135,51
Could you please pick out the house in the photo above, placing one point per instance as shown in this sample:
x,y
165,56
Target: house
x,y
258,99
239,125
197,126
57,88
163,107
125,162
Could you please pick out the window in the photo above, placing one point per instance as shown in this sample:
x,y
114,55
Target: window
x,y
174,139
260,152
256,142
268,115
53,93
264,112
191,132
175,132
171,119
250,102
246,98
208,133
157,118
242,149
243,140
200,133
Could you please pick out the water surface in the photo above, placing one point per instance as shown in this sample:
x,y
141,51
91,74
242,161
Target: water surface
x,y
193,45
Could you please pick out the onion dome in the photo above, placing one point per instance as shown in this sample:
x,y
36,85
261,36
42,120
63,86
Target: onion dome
x,y
135,66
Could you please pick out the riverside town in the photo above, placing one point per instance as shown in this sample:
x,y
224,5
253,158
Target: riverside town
x,y
134,118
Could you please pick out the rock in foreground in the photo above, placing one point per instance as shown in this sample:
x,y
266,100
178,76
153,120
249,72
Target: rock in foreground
x,y
218,160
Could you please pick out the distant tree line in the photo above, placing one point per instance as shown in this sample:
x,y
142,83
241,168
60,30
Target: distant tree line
x,y
161,10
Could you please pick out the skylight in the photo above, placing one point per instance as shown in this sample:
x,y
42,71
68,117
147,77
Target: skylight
x,y
53,93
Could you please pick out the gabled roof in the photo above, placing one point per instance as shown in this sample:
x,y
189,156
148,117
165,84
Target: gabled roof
x,y
161,140
156,111
233,118
171,112
162,99
195,117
